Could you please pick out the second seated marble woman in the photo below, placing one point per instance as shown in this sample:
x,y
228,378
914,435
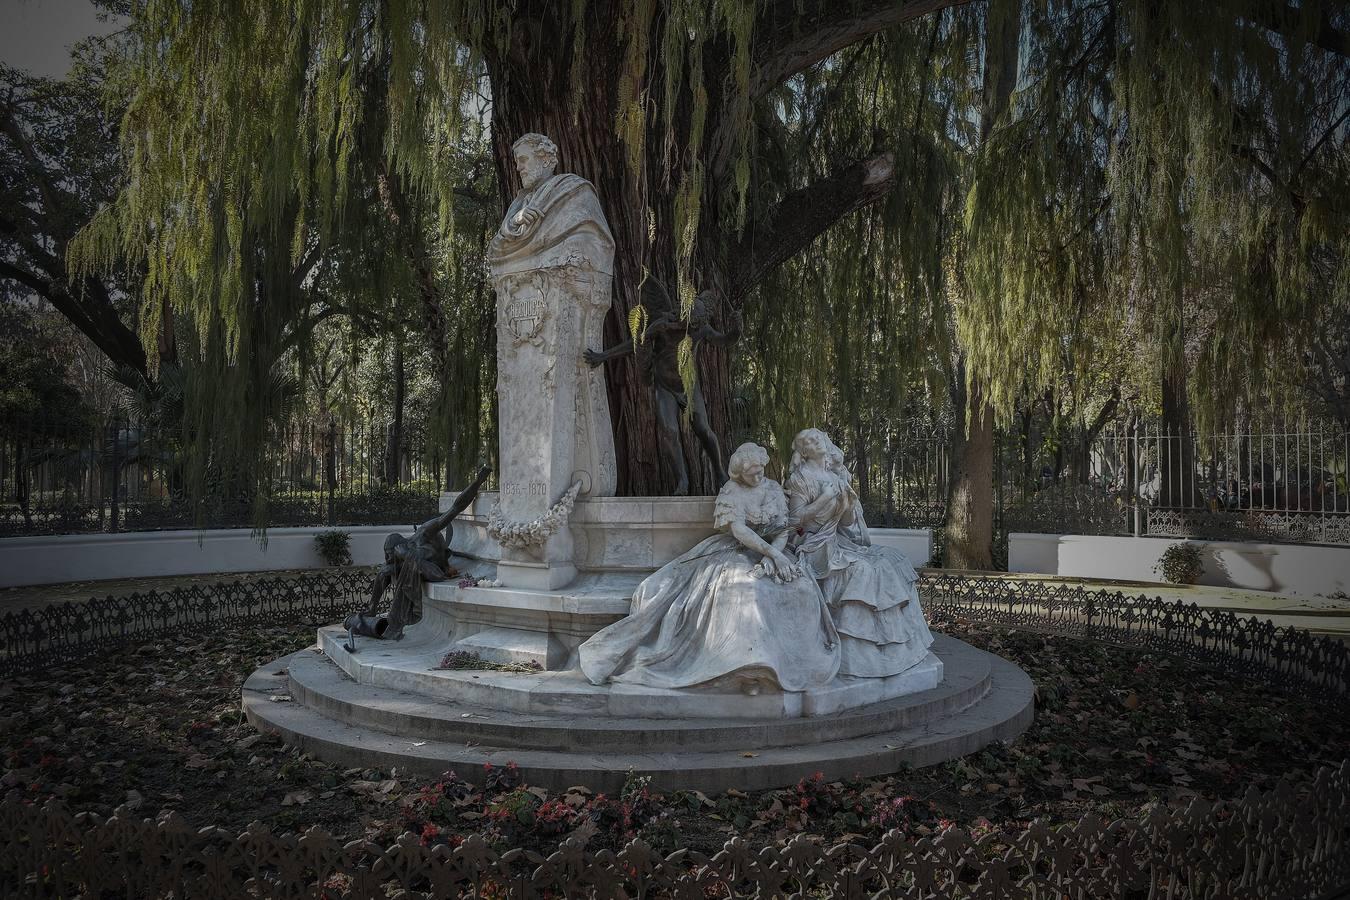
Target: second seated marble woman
x,y
871,591
736,610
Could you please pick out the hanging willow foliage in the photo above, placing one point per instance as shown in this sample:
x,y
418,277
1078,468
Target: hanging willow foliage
x,y
263,138
1183,172
843,330
1152,162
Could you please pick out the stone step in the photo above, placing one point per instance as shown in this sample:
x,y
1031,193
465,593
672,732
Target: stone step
x,y
1002,714
591,595
317,682
516,625
410,665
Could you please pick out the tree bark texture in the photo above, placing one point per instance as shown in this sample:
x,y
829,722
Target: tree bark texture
x,y
1176,450
533,90
970,492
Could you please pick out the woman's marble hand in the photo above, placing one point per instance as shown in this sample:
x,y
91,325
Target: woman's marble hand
x,y
828,507
784,569
777,566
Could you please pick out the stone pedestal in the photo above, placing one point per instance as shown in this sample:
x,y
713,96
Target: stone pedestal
x,y
614,542
552,264
556,441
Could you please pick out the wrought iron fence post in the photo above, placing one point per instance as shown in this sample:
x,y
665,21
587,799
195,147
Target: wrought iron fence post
x,y
1134,480
330,469
113,509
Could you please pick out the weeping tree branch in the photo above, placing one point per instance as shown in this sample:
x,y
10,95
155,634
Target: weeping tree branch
x,y
803,215
792,35
1288,21
398,212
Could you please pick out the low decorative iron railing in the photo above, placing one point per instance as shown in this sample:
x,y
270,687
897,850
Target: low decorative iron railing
x,y
1250,525
33,640
1289,842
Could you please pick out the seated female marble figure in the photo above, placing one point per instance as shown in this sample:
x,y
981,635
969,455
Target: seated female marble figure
x,y
871,591
736,609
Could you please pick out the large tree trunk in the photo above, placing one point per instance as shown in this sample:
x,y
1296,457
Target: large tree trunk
x,y
393,451
970,492
1176,452
533,89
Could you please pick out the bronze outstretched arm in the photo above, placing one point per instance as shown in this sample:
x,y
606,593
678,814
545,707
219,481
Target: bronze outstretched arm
x,y
462,501
659,326
596,357
722,338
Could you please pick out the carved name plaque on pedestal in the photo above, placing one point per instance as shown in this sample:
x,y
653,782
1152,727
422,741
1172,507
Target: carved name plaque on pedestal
x,y
551,264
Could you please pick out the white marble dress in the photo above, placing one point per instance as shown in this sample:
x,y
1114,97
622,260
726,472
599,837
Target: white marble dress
x,y
871,591
706,618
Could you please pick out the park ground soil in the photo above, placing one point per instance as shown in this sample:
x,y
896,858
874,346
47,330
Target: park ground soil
x,y
157,727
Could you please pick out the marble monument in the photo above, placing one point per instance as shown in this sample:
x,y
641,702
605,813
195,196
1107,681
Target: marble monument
x,y
748,640
551,263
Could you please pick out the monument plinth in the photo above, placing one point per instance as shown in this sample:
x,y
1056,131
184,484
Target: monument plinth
x,y
551,264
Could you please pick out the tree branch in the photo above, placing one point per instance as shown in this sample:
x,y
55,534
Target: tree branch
x,y
95,319
41,177
1320,141
1287,21
36,284
308,261
398,212
792,35
800,217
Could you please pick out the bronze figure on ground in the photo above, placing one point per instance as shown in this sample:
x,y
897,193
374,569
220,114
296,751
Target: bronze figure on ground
x,y
409,561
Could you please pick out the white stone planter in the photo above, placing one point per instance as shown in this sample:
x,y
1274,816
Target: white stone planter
x,y
1283,568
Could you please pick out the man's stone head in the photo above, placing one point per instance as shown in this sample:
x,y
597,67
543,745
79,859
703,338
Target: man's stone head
x,y
536,157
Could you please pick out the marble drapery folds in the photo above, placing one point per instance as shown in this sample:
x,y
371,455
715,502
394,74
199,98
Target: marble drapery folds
x,y
712,617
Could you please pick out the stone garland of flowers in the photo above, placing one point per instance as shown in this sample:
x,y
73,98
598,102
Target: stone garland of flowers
x,y
519,535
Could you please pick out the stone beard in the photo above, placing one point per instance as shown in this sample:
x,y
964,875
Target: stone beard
x,y
551,263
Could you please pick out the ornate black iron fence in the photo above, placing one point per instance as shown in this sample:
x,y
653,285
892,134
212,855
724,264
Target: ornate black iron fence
x,y
33,640
1289,659
1290,842
122,476
1264,483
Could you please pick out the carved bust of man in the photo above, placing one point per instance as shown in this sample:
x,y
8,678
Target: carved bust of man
x,y
555,220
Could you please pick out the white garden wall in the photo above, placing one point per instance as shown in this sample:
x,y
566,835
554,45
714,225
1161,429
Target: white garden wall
x,y
146,554
1283,568
915,543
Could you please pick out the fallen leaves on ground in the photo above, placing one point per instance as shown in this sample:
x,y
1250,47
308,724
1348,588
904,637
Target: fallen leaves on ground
x,y
1117,732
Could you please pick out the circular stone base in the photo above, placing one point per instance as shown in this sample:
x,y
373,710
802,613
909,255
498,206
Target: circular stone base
x,y
982,698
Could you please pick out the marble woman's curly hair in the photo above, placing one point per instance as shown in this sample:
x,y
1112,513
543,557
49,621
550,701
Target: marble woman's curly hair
x,y
746,454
